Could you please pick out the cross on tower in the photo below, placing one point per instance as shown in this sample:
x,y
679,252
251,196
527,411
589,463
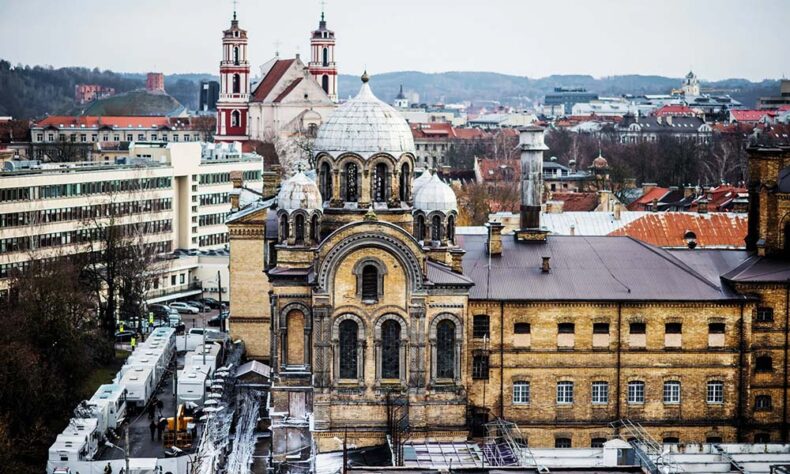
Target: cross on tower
x,y
323,7
235,4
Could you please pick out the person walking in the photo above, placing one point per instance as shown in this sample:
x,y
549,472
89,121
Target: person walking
x,y
152,428
162,426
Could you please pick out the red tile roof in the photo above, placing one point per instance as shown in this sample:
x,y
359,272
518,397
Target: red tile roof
x,y
469,133
647,198
95,121
445,130
576,202
721,196
495,170
748,115
668,229
288,90
272,78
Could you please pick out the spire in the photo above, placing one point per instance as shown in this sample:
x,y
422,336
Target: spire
x,y
235,3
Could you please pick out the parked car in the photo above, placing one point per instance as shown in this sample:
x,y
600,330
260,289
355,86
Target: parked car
x,y
124,336
197,304
210,302
216,321
159,310
212,335
182,307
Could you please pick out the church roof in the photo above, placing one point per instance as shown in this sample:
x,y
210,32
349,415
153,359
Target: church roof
x,y
588,269
364,125
272,78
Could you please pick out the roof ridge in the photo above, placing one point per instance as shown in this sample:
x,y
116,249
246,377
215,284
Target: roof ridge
x,y
677,262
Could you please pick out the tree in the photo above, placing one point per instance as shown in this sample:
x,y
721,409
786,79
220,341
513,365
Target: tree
x,y
474,207
206,125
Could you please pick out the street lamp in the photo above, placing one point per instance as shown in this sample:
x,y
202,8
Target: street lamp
x,y
124,451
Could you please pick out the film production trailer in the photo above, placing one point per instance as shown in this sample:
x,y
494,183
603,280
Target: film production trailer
x,y
192,386
78,442
139,384
110,400
204,355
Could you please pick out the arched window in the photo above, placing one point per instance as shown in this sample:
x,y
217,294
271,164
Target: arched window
x,y
445,349
315,229
295,339
326,181
325,83
351,182
299,229
236,55
370,283
235,118
236,83
419,228
436,228
348,349
380,183
451,229
390,349
326,57
405,181
284,228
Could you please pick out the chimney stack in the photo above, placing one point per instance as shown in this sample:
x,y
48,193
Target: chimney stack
x,y
546,266
236,178
654,205
457,257
702,206
494,238
618,209
532,147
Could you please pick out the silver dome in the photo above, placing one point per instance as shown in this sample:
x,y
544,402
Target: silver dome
x,y
299,192
419,182
435,195
364,125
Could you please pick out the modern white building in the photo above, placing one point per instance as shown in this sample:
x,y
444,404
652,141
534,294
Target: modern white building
x,y
176,195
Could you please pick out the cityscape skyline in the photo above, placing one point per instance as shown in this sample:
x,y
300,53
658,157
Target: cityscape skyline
x,y
672,42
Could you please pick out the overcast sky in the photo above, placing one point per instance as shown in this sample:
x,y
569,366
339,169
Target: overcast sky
x,y
716,38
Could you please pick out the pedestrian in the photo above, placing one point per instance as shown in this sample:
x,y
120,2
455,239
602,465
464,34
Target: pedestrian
x,y
151,410
152,428
108,469
162,426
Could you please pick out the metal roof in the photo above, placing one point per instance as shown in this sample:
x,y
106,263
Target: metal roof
x,y
584,268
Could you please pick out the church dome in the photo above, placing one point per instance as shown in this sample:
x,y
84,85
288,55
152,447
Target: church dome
x,y
600,162
435,195
364,125
299,192
418,183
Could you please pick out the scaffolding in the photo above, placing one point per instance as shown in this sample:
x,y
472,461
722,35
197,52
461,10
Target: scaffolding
x,y
504,445
650,453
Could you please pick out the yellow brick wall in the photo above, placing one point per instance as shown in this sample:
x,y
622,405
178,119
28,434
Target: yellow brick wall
x,y
249,290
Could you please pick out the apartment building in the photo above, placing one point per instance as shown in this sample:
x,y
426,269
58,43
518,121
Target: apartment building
x,y
175,194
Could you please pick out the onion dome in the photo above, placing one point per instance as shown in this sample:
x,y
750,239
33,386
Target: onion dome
x,y
364,125
600,162
435,195
420,181
299,192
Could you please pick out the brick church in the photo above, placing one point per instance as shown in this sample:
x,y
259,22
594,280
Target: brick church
x,y
355,285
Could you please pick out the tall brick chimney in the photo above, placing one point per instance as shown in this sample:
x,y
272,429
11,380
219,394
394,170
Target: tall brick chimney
x,y
494,238
532,147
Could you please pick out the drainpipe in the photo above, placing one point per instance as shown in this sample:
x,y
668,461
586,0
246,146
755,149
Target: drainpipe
x,y
741,385
617,368
502,359
784,383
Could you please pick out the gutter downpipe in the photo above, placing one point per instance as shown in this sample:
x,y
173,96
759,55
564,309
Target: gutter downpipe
x,y
785,382
741,384
502,359
619,352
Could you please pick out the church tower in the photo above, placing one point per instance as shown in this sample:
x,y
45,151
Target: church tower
x,y
234,86
322,59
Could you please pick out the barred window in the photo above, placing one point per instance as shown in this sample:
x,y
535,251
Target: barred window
x,y
351,182
600,393
672,392
299,229
636,392
764,315
715,392
520,393
521,328
348,349
445,349
562,443
390,349
564,393
480,326
637,328
763,402
480,367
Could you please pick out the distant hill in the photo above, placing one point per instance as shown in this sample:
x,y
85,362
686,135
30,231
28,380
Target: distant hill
x,y
450,87
137,102
29,92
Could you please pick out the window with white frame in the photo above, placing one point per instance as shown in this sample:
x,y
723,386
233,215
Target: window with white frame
x,y
564,393
672,392
600,393
636,392
520,393
715,392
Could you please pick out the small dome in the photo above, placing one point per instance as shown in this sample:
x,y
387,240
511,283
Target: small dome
x,y
364,125
419,182
435,195
299,192
600,162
